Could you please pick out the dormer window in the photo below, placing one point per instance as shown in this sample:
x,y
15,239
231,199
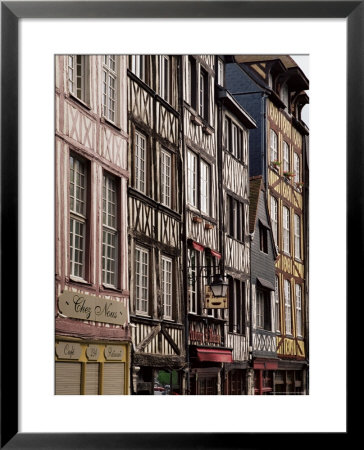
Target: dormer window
x,y
284,95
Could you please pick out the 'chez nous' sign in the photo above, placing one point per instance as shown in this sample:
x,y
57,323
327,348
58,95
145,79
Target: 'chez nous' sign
x,y
87,307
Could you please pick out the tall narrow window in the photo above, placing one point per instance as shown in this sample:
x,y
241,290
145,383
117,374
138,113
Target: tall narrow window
x,y
141,280
109,87
298,289
192,281
227,134
277,305
286,230
220,72
263,310
297,236
164,87
236,306
203,94
205,187
78,211
140,162
285,95
263,238
167,286
166,168
287,306
274,217
273,146
109,231
297,169
234,140
78,76
286,162
192,178
137,66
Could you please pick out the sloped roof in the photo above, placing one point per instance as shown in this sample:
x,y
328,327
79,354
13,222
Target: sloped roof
x,y
255,187
286,60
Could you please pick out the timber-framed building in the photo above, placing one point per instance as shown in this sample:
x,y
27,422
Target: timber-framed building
x,y
272,89
92,352
154,222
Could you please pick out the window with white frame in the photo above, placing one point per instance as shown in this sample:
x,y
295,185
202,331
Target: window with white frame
x,y
297,236
227,133
192,281
109,87
277,305
286,230
140,162
203,94
78,217
78,76
297,169
274,217
220,72
109,231
298,289
192,178
287,306
234,140
205,187
273,146
164,87
141,280
167,287
137,66
263,310
286,162
166,169
208,262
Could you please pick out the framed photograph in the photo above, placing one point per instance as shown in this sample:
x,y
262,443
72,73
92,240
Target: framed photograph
x,y
39,49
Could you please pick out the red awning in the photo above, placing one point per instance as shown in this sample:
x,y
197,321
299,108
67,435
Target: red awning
x,y
215,355
197,246
216,254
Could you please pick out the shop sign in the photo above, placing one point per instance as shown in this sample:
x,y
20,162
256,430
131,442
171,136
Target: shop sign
x,y
68,350
212,302
114,352
87,307
92,352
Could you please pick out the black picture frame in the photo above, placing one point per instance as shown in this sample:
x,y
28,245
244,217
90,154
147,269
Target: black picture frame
x,y
11,12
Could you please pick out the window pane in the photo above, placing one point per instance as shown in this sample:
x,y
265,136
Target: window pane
x,y
141,280
205,187
110,232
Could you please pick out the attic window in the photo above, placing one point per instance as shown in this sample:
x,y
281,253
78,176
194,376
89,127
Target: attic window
x,y
270,80
284,95
263,238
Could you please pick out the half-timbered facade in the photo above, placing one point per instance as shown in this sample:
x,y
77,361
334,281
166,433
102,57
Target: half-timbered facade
x,y
265,306
207,349
154,222
272,89
234,124
92,353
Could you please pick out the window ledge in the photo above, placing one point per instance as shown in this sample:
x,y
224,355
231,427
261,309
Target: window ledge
x,y
109,287
299,260
79,280
207,130
78,100
196,120
109,122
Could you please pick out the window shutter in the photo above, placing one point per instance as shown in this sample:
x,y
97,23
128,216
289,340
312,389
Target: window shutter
x,y
68,378
92,379
114,379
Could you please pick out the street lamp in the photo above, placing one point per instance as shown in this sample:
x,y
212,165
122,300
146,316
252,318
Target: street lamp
x,y
219,286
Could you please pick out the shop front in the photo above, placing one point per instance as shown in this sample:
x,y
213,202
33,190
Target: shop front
x,y
207,368
264,375
89,368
